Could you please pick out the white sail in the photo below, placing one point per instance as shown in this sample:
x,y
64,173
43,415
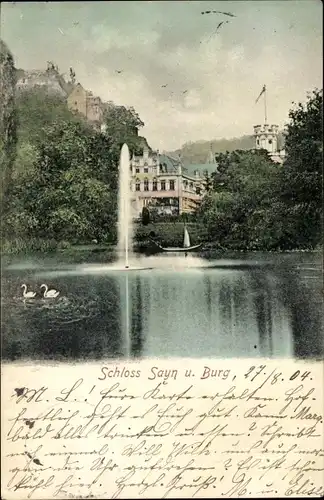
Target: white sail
x,y
186,239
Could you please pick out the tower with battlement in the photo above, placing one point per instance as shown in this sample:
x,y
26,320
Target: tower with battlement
x,y
266,137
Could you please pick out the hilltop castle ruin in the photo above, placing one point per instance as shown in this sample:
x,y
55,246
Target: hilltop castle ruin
x,y
78,99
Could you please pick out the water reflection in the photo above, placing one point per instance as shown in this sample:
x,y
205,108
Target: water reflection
x,y
224,313
217,312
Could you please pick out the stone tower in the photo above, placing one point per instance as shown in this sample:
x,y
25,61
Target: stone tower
x,y
266,137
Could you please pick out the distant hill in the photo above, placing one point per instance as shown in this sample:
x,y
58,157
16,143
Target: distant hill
x,y
198,152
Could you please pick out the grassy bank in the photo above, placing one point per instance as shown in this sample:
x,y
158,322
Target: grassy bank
x,y
165,233
171,233
168,233
33,245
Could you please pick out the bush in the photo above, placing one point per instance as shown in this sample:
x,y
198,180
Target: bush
x,y
22,246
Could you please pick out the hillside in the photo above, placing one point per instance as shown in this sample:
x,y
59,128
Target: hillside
x,y
37,108
41,98
198,152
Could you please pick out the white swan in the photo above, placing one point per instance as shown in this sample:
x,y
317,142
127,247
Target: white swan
x,y
50,294
27,295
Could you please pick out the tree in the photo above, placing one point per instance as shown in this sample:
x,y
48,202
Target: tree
x,y
244,173
37,109
145,216
8,123
122,125
208,181
241,195
301,175
216,213
72,194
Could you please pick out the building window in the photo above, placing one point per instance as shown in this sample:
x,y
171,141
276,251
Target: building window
x,y
162,185
137,185
270,141
171,185
191,185
146,185
154,185
198,190
131,169
146,164
185,184
137,170
145,170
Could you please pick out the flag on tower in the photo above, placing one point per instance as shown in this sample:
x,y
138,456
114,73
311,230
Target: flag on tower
x,y
262,92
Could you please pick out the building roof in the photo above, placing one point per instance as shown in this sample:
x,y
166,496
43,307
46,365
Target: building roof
x,y
171,163
75,88
201,168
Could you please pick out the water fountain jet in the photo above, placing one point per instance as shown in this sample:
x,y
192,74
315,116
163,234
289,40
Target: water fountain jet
x,y
125,223
125,219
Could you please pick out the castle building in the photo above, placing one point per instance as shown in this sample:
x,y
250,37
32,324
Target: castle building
x,y
49,80
84,102
162,183
266,137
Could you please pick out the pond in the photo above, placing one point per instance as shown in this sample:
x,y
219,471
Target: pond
x,y
239,305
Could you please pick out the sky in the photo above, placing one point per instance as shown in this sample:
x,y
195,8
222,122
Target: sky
x,y
187,80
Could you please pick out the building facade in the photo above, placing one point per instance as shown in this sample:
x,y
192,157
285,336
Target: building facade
x,y
161,183
267,137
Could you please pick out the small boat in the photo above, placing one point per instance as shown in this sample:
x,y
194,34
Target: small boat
x,y
186,245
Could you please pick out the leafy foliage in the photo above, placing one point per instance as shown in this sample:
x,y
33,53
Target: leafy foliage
x,y
70,191
122,125
145,216
302,175
208,181
241,188
36,109
8,123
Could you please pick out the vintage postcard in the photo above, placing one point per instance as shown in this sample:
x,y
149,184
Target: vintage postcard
x,y
161,249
